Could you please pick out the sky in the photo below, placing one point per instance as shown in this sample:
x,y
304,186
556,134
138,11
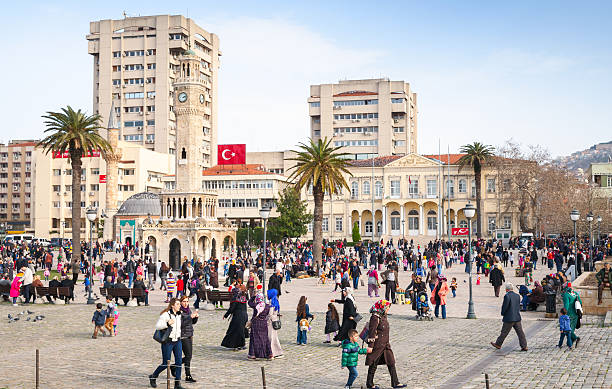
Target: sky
x,y
536,72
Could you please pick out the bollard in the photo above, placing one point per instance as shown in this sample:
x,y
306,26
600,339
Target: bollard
x,y
37,369
263,377
168,377
486,380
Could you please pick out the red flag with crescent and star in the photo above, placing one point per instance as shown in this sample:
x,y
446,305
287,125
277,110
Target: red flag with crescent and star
x,y
231,154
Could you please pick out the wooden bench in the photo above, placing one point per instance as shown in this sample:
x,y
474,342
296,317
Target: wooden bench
x,y
214,295
53,291
122,293
5,289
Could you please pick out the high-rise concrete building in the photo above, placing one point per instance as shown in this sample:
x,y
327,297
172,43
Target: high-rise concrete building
x,y
16,189
135,64
367,117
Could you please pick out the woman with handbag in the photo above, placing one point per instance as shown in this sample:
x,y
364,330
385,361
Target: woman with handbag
x,y
274,324
168,333
573,305
235,335
259,343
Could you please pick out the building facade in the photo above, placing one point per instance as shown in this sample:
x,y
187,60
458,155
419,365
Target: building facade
x,y
16,185
367,117
135,65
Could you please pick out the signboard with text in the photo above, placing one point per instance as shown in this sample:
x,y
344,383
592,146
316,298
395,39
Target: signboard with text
x,y
102,179
66,154
459,231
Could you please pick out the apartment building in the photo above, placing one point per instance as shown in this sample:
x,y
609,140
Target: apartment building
x,y
367,117
135,64
140,170
16,178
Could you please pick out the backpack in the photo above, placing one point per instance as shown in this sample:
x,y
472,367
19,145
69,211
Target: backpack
x,y
304,325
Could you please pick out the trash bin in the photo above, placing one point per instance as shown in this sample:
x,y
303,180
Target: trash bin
x,y
551,300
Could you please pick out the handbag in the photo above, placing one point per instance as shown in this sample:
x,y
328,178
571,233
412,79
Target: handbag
x,y
357,318
276,324
162,336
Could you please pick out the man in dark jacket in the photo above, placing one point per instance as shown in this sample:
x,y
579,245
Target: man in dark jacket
x,y
511,313
275,282
130,268
496,278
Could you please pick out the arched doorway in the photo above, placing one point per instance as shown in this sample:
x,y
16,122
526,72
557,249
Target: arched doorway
x,y
228,243
128,241
151,248
203,246
213,251
175,254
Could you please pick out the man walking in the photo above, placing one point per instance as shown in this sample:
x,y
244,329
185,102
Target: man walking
x,y
511,313
496,278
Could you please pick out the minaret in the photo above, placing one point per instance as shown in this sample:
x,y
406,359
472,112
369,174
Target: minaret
x,y
192,111
112,173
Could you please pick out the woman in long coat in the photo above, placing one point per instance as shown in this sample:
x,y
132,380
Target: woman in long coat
x,y
234,337
348,314
379,348
259,342
277,351
570,296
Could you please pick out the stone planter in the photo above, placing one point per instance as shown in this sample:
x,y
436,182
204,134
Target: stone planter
x,y
586,286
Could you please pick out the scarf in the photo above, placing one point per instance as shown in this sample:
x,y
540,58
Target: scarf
x,y
186,310
379,307
272,293
261,304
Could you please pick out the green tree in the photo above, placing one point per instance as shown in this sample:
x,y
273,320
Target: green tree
x,y
356,234
321,165
76,133
476,155
293,216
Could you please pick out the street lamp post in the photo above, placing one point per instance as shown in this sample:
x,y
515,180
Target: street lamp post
x,y
264,212
575,215
403,226
92,214
599,219
469,211
589,218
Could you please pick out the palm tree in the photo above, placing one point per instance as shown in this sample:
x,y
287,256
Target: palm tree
x,y
321,165
76,133
476,155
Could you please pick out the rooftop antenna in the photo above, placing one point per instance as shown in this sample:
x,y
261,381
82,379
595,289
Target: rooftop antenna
x,y
124,14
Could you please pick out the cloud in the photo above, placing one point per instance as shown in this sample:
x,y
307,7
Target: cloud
x,y
266,71
519,62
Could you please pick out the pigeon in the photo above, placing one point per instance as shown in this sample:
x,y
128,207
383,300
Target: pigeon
x,y
10,316
39,317
34,321
21,313
29,312
28,319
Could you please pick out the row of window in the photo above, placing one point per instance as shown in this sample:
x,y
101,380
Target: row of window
x,y
16,154
344,103
247,184
134,53
138,123
350,116
92,187
68,172
238,203
347,130
135,95
373,142
413,187
133,138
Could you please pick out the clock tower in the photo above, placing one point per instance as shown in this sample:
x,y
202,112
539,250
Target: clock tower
x,y
192,108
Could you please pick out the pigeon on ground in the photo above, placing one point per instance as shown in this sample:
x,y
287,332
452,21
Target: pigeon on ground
x,y
21,313
10,316
29,312
34,321
39,317
28,319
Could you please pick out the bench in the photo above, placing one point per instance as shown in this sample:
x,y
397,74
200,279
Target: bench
x,y
53,291
214,295
5,289
123,293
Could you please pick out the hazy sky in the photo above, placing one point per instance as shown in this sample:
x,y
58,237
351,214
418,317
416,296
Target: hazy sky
x,y
538,72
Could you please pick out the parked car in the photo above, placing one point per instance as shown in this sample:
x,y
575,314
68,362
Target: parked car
x,y
42,242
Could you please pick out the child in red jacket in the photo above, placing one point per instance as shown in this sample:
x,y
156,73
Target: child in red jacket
x,y
179,287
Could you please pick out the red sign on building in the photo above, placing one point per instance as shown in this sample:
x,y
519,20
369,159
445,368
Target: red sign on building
x,y
459,231
102,179
231,154
66,154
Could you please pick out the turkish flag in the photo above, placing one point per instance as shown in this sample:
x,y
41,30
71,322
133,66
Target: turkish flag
x,y
231,154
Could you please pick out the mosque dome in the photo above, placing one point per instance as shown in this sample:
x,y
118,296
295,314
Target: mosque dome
x,y
189,52
141,204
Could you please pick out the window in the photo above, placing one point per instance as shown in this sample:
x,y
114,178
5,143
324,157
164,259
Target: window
x,y
347,130
151,52
378,189
432,220
368,227
57,188
397,100
116,54
150,95
491,224
366,188
150,66
338,224
432,188
354,189
399,143
128,172
150,108
56,204
133,81
462,186
609,181
310,226
358,116
413,187
134,53
507,221
83,188
450,188
238,203
252,203
134,67
506,185
135,95
57,172
133,123
117,82
225,203
355,102
463,224
395,221
379,227
490,185
150,122
473,189
132,138
325,225
395,188
132,109
398,129
413,220
95,187
95,171
68,188
315,104
150,80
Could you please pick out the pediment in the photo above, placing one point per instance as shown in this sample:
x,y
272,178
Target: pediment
x,y
413,160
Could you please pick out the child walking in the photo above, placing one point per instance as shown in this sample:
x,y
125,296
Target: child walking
x,y
46,273
303,314
98,319
115,320
110,308
453,286
350,356
332,322
564,327
170,285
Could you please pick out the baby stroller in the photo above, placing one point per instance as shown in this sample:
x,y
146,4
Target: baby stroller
x,y
423,309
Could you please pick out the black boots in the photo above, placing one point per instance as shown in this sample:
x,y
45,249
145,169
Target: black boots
x,y
177,385
152,381
189,378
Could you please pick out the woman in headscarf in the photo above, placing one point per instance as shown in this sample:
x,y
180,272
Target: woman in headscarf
x,y
259,341
537,296
570,298
379,348
234,337
417,285
277,351
373,281
348,314
438,296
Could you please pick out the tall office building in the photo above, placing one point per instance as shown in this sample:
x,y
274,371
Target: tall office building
x,y
367,117
135,63
16,184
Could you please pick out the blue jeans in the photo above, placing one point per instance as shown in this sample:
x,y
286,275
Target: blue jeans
x,y
569,338
439,266
287,275
302,336
352,375
437,310
454,292
168,349
356,282
131,279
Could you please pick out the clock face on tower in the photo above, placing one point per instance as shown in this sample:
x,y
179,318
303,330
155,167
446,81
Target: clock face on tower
x,y
201,99
182,97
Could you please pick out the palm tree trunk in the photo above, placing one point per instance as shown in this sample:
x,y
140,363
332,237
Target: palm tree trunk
x,y
317,233
77,167
478,178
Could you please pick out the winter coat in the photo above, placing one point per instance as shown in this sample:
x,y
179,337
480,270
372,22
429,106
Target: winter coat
x,y
378,340
330,324
99,317
15,286
442,292
496,277
350,353
564,323
187,323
